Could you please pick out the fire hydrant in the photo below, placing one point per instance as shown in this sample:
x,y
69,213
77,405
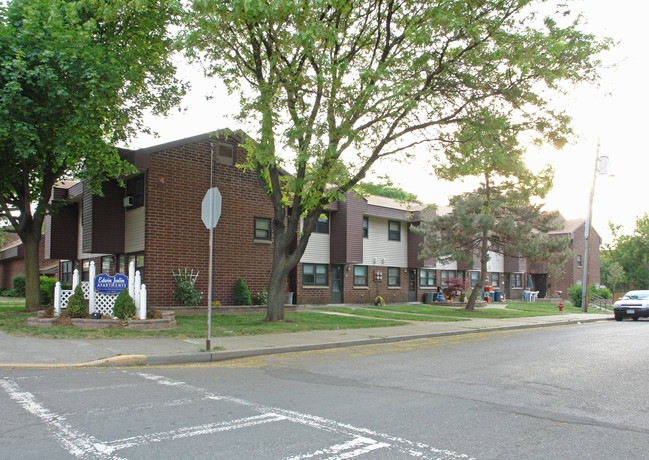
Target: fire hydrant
x,y
560,305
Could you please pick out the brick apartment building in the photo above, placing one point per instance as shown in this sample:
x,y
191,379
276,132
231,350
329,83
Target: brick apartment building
x,y
362,246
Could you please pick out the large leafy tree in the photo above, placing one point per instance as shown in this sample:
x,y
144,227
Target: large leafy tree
x,y
631,252
499,217
336,85
75,78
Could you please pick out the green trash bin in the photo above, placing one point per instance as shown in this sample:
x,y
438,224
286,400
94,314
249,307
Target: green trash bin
x,y
428,297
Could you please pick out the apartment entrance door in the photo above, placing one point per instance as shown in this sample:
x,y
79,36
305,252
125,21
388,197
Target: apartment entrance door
x,y
412,285
336,284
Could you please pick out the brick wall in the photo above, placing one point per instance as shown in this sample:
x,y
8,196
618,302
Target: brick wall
x,y
176,237
354,294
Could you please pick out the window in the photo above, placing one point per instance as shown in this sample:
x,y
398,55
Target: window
x,y
427,278
475,276
105,264
579,261
85,270
125,260
394,276
394,230
517,280
360,275
135,188
225,154
66,272
314,275
495,280
366,227
262,228
447,275
322,225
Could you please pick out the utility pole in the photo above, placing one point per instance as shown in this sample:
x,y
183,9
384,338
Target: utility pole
x,y
601,167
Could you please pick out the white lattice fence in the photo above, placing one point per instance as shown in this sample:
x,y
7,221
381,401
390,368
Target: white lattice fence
x,y
100,302
104,303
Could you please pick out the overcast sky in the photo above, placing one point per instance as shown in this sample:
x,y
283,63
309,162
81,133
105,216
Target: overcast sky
x,y
615,114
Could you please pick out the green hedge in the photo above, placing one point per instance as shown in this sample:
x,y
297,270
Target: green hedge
x,y
47,290
18,285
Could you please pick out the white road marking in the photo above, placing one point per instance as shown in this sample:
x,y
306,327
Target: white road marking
x,y
362,440
187,432
351,449
78,444
414,449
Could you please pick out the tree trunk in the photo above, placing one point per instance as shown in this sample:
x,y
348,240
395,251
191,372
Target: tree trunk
x,y
484,258
277,288
31,240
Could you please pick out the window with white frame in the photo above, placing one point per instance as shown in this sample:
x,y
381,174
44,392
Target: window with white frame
x,y
366,227
427,278
516,280
394,276
394,230
360,275
495,280
475,277
314,275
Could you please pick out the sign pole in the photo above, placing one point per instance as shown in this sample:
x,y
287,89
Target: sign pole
x,y
210,213
208,345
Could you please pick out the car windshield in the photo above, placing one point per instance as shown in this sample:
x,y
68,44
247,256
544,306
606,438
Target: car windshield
x,y
636,295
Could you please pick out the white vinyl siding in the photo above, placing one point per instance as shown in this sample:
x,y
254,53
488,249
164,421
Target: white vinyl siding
x,y
134,230
318,249
378,246
496,263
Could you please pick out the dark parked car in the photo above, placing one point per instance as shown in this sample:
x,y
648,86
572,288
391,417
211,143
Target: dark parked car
x,y
634,304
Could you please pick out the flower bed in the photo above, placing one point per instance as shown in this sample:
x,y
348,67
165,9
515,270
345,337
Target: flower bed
x,y
168,321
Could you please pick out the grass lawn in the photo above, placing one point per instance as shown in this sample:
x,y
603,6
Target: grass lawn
x,y
513,310
375,313
15,323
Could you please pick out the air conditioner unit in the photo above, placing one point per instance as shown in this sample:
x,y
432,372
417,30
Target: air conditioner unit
x,y
129,201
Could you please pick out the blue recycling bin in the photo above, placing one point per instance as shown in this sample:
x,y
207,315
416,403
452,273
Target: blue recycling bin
x,y
497,296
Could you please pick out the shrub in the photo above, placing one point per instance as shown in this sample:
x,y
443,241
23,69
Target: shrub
x,y
261,298
18,285
454,287
124,306
7,293
185,288
603,293
47,290
77,304
574,293
241,293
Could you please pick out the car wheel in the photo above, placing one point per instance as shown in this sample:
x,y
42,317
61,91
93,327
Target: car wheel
x,y
619,317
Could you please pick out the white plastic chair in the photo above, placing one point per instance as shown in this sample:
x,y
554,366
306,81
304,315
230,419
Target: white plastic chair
x,y
533,296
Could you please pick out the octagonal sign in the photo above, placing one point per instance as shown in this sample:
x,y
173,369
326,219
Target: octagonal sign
x,y
213,197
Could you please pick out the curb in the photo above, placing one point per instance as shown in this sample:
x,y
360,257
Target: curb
x,y
218,356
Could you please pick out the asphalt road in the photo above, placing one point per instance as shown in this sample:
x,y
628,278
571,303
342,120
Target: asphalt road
x,y
556,393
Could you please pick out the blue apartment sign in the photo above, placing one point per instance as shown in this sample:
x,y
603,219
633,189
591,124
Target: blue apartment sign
x,y
107,284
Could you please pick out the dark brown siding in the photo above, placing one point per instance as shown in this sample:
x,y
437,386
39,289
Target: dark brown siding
x,y
514,264
415,242
346,240
61,233
108,220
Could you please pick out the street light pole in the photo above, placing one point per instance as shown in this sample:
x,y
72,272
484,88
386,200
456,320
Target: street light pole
x,y
601,164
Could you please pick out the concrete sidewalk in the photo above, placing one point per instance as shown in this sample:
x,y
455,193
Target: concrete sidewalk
x,y
37,352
